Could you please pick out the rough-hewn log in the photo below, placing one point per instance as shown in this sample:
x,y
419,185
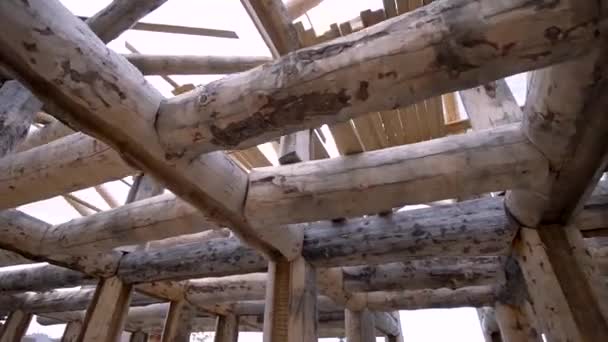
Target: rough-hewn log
x,y
193,65
476,296
441,230
360,326
490,105
424,274
514,325
177,325
449,167
8,258
489,326
44,135
565,307
297,8
15,326
17,112
72,331
107,312
227,328
119,16
291,302
232,288
271,101
99,109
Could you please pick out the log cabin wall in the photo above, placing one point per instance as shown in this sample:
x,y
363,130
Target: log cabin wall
x,y
515,214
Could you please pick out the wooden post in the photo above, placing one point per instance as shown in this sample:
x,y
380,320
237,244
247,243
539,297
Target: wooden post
x,y
290,313
138,336
107,312
489,326
72,331
566,305
399,336
178,322
15,326
514,324
227,328
154,338
360,326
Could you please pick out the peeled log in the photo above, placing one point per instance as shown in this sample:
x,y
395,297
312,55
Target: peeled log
x,y
349,186
446,46
50,276
297,8
193,65
477,296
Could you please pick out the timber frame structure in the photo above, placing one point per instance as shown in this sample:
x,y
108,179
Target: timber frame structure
x,y
516,214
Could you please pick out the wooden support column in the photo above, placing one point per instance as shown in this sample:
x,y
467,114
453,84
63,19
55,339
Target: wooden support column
x,y
399,336
360,326
15,326
227,328
565,304
290,313
107,312
178,322
489,326
138,336
514,324
72,331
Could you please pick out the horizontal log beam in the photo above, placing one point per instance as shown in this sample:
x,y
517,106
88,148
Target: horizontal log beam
x,y
193,65
372,182
297,8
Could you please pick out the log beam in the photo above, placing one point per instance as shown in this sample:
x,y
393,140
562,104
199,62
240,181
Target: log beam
x,y
227,329
17,112
193,65
15,326
297,8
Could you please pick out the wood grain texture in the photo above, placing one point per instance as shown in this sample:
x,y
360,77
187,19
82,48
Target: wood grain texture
x,y
227,329
72,331
193,65
515,325
178,322
360,326
17,112
491,105
15,326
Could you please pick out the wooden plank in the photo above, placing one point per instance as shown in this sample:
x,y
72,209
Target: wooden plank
x,y
72,331
107,312
255,157
15,326
227,328
411,124
177,326
297,8
295,148
274,24
345,137
390,8
450,107
491,105
469,164
360,326
291,309
514,325
566,308
317,149
435,118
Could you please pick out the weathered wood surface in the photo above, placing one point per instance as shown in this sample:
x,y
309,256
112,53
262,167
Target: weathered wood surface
x,y
564,118
138,336
72,331
17,112
107,312
449,167
489,326
44,135
178,323
124,91
386,323
297,8
475,296
360,326
193,65
565,313
226,289
15,326
8,258
271,101
424,274
227,329
490,105
515,325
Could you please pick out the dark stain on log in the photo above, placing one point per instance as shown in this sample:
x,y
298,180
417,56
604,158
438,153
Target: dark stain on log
x,y
47,31
278,113
362,93
553,34
307,56
452,61
392,74
31,47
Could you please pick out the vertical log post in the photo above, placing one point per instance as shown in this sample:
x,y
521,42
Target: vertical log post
x,y
72,331
178,323
107,313
489,326
15,326
227,328
514,324
138,336
360,326
290,313
399,337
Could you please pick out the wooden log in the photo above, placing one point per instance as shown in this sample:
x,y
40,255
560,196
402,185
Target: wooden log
x,y
271,101
424,274
178,322
227,329
72,331
399,336
291,302
475,296
119,16
449,167
226,289
386,323
491,105
51,132
17,112
297,8
565,120
15,326
489,325
134,134
360,326
107,313
514,325
566,308
8,258
193,65
138,336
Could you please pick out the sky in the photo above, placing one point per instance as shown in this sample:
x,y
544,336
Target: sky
x,y
422,325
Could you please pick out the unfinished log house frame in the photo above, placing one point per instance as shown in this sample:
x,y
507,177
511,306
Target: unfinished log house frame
x,y
515,216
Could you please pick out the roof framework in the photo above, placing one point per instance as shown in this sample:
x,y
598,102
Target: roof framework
x,y
515,212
